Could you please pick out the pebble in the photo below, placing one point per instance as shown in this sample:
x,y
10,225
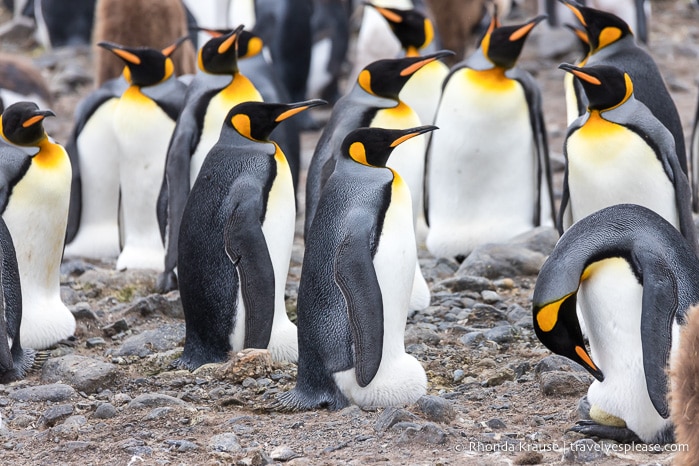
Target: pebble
x,y
105,411
95,342
427,434
117,327
490,296
500,334
53,392
501,260
55,414
227,442
157,413
495,423
563,383
154,400
391,416
466,282
167,305
283,453
437,409
556,362
182,446
163,338
84,374
584,450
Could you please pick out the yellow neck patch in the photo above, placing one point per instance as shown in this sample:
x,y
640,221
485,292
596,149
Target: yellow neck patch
x,y
429,33
241,89
50,155
493,79
597,127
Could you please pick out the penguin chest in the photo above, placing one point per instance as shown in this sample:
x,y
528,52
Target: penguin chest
x,y
394,263
142,128
609,164
423,90
239,90
37,215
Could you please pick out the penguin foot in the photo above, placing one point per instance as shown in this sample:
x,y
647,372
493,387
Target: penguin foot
x,y
592,429
167,281
295,400
21,366
39,358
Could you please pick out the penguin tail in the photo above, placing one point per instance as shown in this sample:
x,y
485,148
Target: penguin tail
x,y
684,395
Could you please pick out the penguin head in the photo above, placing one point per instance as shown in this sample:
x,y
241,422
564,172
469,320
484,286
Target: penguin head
x,y
257,120
386,78
373,146
606,87
555,317
22,123
219,55
412,28
249,44
145,66
501,45
603,28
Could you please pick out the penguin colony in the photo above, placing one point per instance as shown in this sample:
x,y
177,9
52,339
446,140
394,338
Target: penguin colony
x,y
190,176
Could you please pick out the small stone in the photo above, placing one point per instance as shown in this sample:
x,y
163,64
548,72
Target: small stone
x,y
467,283
105,411
556,362
53,392
495,424
500,334
283,453
227,442
117,327
490,297
182,446
561,383
500,377
154,400
437,409
391,416
529,457
459,374
85,374
158,413
95,342
427,434
56,414
82,311
472,338
584,450
162,339
248,363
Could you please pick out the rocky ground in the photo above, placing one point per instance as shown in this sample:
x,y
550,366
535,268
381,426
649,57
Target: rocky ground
x,y
495,395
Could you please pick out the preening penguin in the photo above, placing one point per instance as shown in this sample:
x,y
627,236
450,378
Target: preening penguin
x,y
488,176
618,152
235,241
215,89
144,119
356,281
634,277
36,192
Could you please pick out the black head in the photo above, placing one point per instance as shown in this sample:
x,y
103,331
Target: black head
x,y
373,146
503,44
606,87
603,28
219,55
257,120
249,44
412,28
145,66
22,123
386,78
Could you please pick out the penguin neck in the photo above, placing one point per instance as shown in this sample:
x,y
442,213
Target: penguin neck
x,y
240,89
50,154
491,78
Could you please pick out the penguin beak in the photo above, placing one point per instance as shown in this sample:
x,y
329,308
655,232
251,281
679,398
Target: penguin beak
x,y
121,52
391,16
410,69
580,74
230,40
411,133
575,8
38,116
526,29
580,33
169,50
299,107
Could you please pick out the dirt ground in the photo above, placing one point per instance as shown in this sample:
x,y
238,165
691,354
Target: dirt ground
x,y
500,415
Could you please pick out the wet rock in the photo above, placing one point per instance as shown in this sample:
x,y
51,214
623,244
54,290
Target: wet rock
x,y
85,374
250,363
227,442
562,383
56,392
428,434
154,400
437,409
501,260
391,416
584,450
161,339
105,411
55,414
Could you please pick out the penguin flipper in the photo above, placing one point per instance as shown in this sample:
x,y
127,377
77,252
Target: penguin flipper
x,y
247,248
659,308
75,202
355,276
6,362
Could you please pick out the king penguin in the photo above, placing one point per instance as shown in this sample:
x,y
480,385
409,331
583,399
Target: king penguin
x,y
93,217
215,89
374,101
618,152
415,32
488,175
634,277
144,119
36,197
236,237
356,280
613,43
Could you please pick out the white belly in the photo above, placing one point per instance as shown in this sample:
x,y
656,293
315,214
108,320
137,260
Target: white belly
x,y
423,89
482,171
610,302
143,132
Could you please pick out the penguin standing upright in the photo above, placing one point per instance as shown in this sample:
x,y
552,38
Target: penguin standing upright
x,y
37,190
217,88
488,175
356,281
235,245
612,43
634,277
618,152
415,32
144,119
93,218
374,101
